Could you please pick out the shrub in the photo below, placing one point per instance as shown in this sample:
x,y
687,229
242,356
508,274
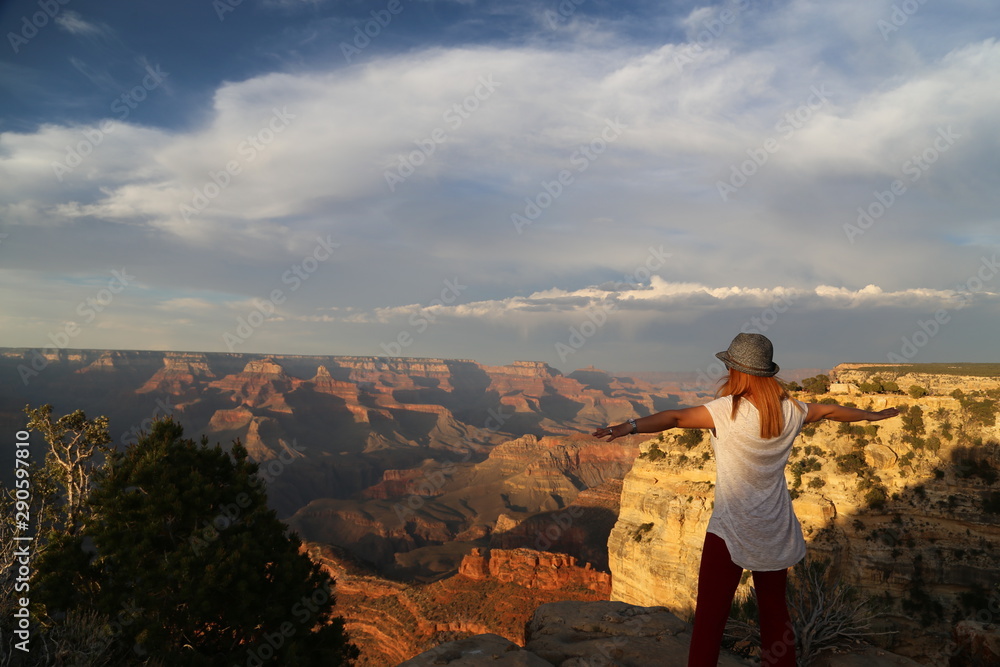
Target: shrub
x,y
817,483
981,412
654,453
818,384
875,498
847,428
826,613
853,462
691,437
913,419
916,391
641,530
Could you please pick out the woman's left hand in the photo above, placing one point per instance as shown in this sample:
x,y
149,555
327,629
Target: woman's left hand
x,y
608,432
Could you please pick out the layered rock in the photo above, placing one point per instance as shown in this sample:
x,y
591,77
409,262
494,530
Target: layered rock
x,y
525,494
578,634
262,384
533,569
392,621
907,375
180,375
475,651
348,392
912,530
581,529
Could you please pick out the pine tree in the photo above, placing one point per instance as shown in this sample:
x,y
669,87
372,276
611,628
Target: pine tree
x,y
183,551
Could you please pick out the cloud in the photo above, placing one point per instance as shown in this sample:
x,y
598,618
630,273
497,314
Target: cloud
x,y
663,298
420,162
75,24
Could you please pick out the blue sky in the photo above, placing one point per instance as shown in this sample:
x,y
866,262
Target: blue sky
x,y
619,184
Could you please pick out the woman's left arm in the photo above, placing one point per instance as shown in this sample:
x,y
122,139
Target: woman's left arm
x,y
696,417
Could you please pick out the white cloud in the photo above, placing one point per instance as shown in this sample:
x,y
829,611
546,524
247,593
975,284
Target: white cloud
x,y
665,298
75,24
282,157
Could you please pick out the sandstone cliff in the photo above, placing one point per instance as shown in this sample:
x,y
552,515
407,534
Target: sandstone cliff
x,y
577,634
497,593
329,427
418,523
905,510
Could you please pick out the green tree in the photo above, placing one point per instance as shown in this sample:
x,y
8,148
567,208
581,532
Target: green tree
x,y
890,387
818,384
76,446
690,437
913,425
180,535
56,512
916,391
790,386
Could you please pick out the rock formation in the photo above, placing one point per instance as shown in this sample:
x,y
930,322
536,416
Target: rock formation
x,y
496,595
904,510
534,569
526,493
180,375
578,634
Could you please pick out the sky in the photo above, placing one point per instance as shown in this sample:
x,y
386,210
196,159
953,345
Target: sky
x,y
624,185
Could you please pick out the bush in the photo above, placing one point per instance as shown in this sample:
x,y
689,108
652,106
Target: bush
x,y
654,453
817,483
981,412
875,498
826,613
818,384
853,462
641,530
879,386
916,391
691,437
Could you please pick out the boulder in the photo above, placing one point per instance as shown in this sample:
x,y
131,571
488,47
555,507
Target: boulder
x,y
487,649
605,633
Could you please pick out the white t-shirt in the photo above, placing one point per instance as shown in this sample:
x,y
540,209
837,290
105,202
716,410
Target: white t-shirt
x,y
753,511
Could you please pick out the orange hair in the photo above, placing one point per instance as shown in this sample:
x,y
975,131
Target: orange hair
x,y
768,395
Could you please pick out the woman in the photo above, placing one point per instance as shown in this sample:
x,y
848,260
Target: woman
x,y
753,527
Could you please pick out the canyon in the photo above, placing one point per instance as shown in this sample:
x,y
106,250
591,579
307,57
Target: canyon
x,y
452,500
407,463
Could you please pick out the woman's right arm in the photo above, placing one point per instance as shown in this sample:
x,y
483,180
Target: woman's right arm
x,y
841,413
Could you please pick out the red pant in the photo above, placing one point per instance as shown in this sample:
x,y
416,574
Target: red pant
x,y
717,581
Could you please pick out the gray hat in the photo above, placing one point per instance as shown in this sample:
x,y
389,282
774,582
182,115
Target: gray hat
x,y
750,353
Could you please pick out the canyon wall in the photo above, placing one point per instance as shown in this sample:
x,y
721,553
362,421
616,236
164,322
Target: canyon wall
x,y
905,510
495,592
